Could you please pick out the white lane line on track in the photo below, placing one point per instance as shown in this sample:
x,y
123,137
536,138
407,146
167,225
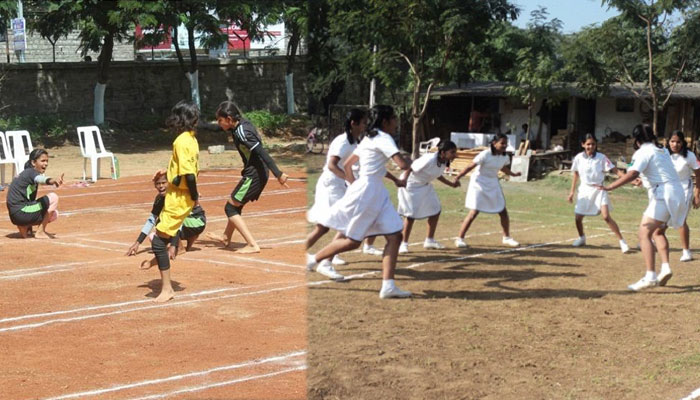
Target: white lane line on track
x,y
173,303
219,384
267,270
269,360
132,302
53,269
692,396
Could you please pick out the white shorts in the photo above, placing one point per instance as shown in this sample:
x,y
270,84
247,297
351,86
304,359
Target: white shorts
x,y
657,210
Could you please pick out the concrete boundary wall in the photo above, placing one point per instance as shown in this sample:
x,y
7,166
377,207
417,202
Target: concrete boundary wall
x,y
147,90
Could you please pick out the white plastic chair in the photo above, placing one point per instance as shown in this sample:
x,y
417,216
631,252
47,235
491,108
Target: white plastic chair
x,y
21,144
6,157
425,147
91,147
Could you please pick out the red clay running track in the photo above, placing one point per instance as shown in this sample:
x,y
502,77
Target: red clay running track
x,y
78,320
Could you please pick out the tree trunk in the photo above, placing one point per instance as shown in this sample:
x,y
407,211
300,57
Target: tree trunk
x,y
416,119
178,52
292,47
193,74
103,61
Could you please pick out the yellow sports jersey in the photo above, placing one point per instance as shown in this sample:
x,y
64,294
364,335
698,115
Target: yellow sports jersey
x,y
178,202
185,159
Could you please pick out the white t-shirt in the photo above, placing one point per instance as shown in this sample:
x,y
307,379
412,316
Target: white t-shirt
x,y
488,164
342,148
591,169
685,165
374,152
425,169
654,164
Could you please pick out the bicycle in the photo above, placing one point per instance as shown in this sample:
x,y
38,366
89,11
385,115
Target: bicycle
x,y
315,140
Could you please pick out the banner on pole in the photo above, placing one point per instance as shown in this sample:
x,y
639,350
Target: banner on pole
x,y
18,32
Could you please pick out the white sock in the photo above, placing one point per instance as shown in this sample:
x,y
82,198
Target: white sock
x,y
582,237
388,284
404,244
665,267
622,242
686,252
650,275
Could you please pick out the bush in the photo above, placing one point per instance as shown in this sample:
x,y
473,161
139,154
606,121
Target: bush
x,y
266,121
47,130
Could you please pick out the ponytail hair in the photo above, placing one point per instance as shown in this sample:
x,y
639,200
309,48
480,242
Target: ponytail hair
x,y
444,147
684,144
379,114
34,155
643,133
590,136
496,138
228,109
183,117
354,115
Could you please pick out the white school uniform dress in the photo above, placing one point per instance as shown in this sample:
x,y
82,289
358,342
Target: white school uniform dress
x,y
684,167
666,197
484,193
418,199
366,209
330,188
591,170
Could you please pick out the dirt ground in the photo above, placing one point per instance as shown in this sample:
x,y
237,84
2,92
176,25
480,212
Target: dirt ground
x,y
77,317
543,321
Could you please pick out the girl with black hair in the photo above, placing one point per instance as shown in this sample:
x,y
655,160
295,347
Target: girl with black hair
x,y
181,196
418,199
331,185
484,193
24,208
686,163
667,206
366,209
590,166
256,171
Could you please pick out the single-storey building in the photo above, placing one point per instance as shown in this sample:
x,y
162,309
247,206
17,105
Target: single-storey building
x,y
490,108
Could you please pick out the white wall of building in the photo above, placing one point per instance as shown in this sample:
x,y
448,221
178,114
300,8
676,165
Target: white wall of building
x,y
608,120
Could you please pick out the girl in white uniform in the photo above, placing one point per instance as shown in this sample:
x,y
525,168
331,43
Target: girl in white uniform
x,y
591,167
484,193
667,206
366,209
685,162
331,185
418,199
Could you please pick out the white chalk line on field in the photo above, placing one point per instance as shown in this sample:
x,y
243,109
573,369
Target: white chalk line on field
x,y
18,274
173,303
243,266
695,394
252,363
131,302
224,383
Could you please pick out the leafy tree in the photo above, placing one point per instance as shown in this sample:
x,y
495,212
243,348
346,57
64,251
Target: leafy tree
x,y
428,42
100,23
537,66
644,44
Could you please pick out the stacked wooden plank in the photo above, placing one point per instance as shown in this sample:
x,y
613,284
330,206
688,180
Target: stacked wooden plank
x,y
464,158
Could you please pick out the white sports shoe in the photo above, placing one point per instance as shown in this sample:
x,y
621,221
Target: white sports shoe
x,y
338,261
326,269
510,241
393,292
403,248
581,241
624,247
664,277
643,283
371,250
687,256
310,262
460,243
432,244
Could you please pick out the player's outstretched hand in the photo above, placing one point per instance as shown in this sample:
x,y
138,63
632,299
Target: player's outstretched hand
x,y
283,180
172,252
133,249
456,183
58,182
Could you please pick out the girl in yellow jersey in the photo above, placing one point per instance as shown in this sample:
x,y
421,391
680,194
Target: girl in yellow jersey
x,y
181,196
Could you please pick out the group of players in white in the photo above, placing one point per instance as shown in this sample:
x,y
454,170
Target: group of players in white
x,y
351,198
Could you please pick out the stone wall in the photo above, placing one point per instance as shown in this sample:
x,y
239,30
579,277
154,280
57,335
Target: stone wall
x,y
139,91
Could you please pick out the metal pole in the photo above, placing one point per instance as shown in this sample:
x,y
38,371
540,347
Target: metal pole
x,y
373,82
